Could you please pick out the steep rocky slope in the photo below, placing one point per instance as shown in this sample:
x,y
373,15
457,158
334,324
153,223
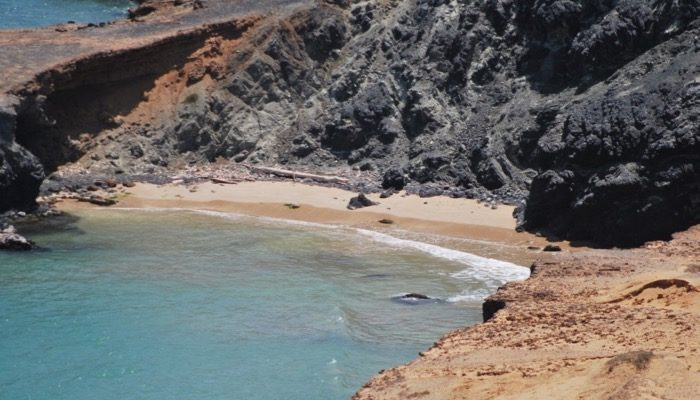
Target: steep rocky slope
x,y
21,172
585,111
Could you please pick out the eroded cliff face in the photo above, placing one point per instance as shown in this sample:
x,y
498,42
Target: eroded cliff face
x,y
584,111
21,172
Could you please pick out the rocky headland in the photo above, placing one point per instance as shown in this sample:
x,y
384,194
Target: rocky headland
x,y
613,324
11,240
583,114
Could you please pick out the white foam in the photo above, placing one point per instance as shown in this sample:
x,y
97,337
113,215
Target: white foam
x,y
480,268
491,271
144,209
227,215
218,214
234,216
471,296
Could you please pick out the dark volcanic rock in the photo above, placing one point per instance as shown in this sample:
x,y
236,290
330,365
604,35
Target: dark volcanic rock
x,y
360,201
11,240
97,200
393,179
490,307
586,110
415,298
551,248
21,174
387,193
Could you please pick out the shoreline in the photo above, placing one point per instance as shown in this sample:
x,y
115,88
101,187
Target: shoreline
x,y
596,325
458,224
586,323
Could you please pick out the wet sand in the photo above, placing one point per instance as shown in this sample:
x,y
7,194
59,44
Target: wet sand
x,y
460,224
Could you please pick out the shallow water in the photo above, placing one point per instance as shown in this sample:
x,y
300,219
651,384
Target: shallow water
x,y
183,305
33,13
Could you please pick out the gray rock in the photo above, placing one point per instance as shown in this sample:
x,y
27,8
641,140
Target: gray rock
x,y
11,240
360,201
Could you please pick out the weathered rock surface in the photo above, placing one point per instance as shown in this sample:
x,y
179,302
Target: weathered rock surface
x,y
21,172
360,201
586,111
621,324
11,240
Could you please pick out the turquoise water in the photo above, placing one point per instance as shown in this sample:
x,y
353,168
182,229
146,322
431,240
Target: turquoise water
x,y
184,305
32,13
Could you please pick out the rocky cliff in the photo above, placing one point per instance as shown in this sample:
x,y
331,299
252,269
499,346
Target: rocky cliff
x,y
584,112
21,172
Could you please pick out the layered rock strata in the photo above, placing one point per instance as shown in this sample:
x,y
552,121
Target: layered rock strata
x,y
583,112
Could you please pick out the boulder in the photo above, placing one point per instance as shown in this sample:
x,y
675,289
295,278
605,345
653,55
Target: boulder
x,y
551,248
97,200
11,240
415,298
21,174
360,201
387,193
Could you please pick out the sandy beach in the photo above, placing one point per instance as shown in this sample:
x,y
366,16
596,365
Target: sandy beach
x,y
461,224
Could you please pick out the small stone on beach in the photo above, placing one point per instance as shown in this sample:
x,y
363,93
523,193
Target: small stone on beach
x,y
360,201
551,248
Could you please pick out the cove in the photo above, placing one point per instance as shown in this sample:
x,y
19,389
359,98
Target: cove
x,y
183,305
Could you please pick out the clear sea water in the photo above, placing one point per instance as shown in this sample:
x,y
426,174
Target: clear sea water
x,y
191,305
32,13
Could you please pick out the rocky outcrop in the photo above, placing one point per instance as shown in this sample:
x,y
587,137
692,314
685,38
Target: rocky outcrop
x,y
582,112
21,173
625,151
360,201
11,240
148,7
586,325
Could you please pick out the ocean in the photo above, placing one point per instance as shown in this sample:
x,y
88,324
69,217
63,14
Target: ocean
x,y
34,13
176,304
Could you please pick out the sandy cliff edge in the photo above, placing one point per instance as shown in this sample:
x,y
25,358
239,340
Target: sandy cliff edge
x,y
616,324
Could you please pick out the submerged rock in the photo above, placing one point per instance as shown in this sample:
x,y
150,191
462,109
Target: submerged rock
x,y
415,298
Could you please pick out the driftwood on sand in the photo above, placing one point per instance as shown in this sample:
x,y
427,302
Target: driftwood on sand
x,y
296,174
226,181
